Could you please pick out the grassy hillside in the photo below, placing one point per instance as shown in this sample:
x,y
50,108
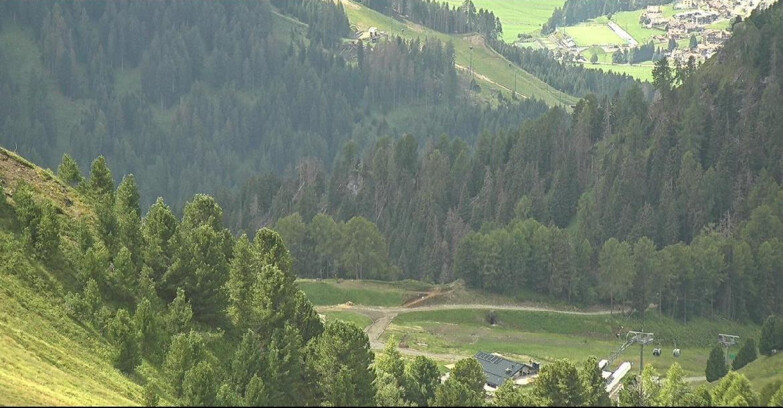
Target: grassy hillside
x,y
492,71
517,16
47,357
764,370
548,336
368,293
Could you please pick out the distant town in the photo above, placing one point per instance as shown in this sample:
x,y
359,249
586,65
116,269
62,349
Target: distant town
x,y
709,21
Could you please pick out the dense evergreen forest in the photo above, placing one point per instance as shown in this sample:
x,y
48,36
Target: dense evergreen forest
x,y
576,11
673,199
187,95
676,203
573,79
440,17
681,193
222,322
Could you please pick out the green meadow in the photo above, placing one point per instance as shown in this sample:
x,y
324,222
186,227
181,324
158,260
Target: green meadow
x,y
517,16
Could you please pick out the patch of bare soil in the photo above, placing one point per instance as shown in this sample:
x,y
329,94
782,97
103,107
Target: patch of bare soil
x,y
15,169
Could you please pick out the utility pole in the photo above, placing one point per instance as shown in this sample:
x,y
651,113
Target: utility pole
x,y
515,79
471,66
643,339
727,340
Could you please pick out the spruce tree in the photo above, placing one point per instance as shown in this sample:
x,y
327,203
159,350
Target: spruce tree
x,y
150,395
593,384
128,213
777,399
123,334
746,355
68,171
422,378
184,352
179,314
158,230
150,331
770,338
342,365
101,183
674,387
48,241
199,387
716,365
559,383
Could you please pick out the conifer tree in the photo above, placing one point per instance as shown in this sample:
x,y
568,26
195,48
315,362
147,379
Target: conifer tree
x,y
342,365
185,351
158,230
150,395
674,387
101,183
179,314
509,395
716,365
559,383
734,390
468,371
199,387
422,378
771,335
128,212
746,355
48,242
777,398
151,335
391,362
453,393
240,281
68,171
593,384
124,336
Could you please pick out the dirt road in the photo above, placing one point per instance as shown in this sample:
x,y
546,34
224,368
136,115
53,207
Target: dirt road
x,y
382,316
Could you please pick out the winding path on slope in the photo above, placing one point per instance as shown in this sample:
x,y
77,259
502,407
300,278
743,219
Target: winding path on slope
x,y
382,316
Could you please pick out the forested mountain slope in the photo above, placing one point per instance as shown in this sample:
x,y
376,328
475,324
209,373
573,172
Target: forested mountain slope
x,y
99,306
192,97
687,187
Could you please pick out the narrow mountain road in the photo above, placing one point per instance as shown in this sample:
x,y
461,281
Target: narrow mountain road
x,y
382,317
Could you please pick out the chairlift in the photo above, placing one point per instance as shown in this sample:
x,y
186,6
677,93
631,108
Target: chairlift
x,y
676,351
657,352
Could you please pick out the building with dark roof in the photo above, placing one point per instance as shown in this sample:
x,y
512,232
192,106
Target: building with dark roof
x,y
499,369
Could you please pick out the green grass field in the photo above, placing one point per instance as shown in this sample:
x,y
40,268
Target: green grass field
x,y
48,359
492,71
764,370
593,33
547,336
367,293
350,317
517,16
642,72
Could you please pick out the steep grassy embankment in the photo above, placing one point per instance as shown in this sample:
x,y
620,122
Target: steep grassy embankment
x,y
46,357
491,70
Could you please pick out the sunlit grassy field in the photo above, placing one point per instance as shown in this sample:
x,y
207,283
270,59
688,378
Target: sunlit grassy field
x,y
764,370
367,293
517,16
350,317
547,336
48,359
593,33
642,72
